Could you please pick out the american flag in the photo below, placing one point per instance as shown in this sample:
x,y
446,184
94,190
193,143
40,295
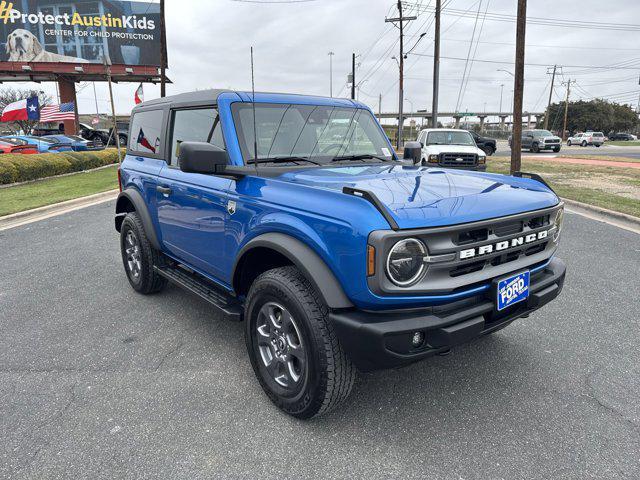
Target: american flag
x,y
57,113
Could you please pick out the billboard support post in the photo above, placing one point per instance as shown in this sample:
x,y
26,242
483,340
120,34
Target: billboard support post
x,y
67,90
107,65
163,52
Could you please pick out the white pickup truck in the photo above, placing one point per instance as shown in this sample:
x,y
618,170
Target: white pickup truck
x,y
586,138
451,148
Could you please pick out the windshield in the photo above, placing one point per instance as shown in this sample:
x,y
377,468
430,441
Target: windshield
x,y
42,139
318,134
542,133
450,138
597,134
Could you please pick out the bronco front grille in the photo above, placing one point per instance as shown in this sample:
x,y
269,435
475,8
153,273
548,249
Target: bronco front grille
x,y
469,254
458,159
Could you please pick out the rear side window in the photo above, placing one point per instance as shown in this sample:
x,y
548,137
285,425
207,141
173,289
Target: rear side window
x,y
146,132
195,125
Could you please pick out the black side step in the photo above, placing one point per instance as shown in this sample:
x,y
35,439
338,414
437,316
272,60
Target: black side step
x,y
204,288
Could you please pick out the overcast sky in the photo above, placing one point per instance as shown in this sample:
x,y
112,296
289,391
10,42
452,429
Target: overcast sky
x,y
209,40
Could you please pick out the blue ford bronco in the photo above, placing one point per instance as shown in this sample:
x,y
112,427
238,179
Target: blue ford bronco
x,y
293,214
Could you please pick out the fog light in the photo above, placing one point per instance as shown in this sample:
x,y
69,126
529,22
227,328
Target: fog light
x,y
417,339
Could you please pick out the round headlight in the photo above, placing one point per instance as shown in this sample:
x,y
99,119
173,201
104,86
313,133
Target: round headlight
x,y
558,224
405,263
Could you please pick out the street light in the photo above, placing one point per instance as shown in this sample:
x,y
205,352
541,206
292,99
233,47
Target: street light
x,y
412,111
506,71
331,54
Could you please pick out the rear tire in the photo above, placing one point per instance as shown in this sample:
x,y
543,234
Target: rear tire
x,y
535,148
584,143
139,257
568,143
293,348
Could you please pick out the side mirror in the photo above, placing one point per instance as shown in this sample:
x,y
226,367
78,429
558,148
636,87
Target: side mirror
x,y
202,157
413,152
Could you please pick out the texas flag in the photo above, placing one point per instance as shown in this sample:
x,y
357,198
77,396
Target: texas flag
x,y
142,140
139,96
27,109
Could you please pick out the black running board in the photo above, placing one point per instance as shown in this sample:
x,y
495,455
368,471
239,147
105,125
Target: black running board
x,y
203,288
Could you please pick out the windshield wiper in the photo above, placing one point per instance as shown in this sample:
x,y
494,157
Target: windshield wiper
x,y
360,157
283,160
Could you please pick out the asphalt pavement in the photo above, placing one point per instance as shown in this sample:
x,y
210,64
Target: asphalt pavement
x,y
99,382
605,150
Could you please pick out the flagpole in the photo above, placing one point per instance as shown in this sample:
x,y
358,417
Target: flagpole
x,y
107,63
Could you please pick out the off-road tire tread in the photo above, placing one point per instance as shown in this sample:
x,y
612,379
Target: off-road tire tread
x,y
152,281
338,373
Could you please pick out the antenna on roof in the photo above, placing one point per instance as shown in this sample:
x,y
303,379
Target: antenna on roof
x,y
253,103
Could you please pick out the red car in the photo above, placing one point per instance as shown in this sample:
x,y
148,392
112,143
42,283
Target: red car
x,y
7,146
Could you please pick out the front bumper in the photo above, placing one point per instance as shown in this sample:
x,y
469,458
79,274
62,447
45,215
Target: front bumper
x,y
379,340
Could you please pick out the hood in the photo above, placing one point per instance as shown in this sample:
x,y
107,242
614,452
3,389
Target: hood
x,y
428,197
438,149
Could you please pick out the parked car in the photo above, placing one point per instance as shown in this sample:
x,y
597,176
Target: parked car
x,y
44,145
451,148
104,134
9,146
336,254
587,138
487,145
538,140
78,144
622,136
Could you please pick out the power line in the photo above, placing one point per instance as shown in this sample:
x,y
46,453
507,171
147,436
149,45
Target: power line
x,y
499,17
466,63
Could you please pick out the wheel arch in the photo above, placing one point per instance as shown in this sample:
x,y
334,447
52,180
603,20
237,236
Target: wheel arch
x,y
130,200
271,250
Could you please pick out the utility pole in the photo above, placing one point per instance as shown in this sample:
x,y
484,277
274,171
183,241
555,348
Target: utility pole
x,y
518,88
353,76
436,67
107,65
566,107
331,54
546,115
501,92
400,20
163,53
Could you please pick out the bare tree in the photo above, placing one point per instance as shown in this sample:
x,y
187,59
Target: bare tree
x,y
9,95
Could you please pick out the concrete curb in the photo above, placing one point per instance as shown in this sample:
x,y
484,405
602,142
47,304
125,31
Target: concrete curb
x,y
621,220
41,213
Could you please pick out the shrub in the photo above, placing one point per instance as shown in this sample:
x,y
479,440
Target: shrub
x,y
21,168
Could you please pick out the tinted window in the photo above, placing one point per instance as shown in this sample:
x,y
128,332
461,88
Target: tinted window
x,y
195,125
450,137
146,132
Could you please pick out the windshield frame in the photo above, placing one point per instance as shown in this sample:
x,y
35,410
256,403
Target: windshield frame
x,y
315,158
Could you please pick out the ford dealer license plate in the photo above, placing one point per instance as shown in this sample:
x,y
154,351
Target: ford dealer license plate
x,y
513,289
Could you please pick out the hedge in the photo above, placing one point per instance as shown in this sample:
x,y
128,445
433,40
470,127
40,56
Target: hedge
x,y
21,168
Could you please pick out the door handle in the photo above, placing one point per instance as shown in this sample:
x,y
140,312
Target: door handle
x,y
163,190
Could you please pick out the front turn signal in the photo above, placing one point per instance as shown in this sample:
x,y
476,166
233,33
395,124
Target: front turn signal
x,y
371,261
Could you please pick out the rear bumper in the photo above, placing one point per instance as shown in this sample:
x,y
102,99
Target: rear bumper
x,y
379,340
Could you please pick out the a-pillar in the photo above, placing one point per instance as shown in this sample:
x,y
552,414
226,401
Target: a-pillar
x,y
503,118
68,94
457,119
482,119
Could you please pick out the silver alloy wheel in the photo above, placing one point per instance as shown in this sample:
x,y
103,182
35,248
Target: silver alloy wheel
x,y
280,345
132,251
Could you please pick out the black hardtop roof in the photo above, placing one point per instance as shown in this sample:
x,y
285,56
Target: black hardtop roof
x,y
189,97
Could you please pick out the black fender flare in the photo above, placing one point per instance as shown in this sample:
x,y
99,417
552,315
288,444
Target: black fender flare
x,y
133,196
307,261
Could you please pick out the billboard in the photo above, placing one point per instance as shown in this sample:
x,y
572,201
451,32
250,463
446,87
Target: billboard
x,y
81,31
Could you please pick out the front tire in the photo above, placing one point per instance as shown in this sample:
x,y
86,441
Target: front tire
x,y
535,148
583,144
293,347
568,143
139,257
556,149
